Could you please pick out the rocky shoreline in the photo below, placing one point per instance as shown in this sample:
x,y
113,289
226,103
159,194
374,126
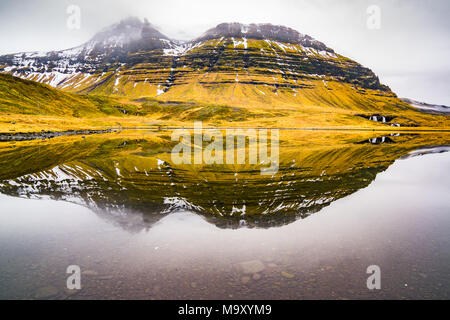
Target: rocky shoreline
x,y
23,136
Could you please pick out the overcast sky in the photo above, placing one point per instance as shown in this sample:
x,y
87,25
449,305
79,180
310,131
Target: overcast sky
x,y
410,51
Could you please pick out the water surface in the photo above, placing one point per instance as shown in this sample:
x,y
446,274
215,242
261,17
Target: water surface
x,y
140,226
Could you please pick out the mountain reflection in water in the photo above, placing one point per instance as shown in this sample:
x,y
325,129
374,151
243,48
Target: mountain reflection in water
x,y
128,177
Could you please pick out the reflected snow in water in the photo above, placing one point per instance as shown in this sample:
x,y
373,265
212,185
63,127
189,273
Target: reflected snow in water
x,y
141,227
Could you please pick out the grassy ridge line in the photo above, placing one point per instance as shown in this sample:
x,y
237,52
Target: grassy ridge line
x,y
19,96
27,106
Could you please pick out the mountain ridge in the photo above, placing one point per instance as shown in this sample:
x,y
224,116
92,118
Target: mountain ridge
x,y
121,43
233,66
428,107
262,31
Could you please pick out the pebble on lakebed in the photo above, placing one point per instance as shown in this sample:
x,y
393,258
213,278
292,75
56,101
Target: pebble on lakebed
x,y
89,273
256,276
252,266
287,275
245,279
46,292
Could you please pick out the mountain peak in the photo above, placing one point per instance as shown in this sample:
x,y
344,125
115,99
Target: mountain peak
x,y
128,30
276,55
263,31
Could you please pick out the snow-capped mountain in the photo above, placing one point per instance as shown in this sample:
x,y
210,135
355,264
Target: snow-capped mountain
x,y
264,31
108,47
231,64
426,107
127,31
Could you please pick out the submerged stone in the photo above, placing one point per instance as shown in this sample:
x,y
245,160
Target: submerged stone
x,y
46,292
252,266
287,275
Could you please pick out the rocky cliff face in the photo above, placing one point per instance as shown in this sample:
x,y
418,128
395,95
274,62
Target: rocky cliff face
x,y
263,32
231,64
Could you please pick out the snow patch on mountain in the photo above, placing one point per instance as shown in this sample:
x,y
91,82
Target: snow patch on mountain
x,y
427,107
181,49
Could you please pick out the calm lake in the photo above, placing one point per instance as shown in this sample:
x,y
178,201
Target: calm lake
x,y
143,227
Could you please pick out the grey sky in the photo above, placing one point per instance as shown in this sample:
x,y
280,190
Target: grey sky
x,y
410,52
